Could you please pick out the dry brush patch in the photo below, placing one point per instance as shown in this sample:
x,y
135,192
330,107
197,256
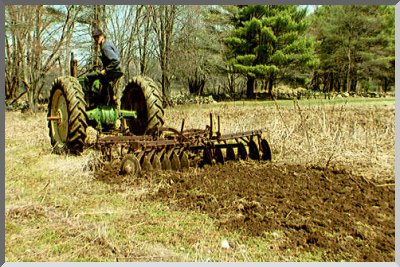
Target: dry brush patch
x,y
357,137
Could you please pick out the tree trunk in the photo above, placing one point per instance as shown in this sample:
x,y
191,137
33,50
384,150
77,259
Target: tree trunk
x,y
348,72
343,86
353,85
250,87
143,49
271,81
68,49
231,83
385,85
164,18
325,82
196,83
331,85
97,22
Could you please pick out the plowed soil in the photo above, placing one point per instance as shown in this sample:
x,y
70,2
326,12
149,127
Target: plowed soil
x,y
345,216
328,210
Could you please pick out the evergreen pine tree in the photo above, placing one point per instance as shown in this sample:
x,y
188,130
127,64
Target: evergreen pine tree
x,y
268,43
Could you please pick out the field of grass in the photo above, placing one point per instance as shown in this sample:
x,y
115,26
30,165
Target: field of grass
x,y
57,210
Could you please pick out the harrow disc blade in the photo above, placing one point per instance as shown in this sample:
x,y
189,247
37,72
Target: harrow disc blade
x,y
266,150
184,160
175,162
207,157
146,165
219,158
156,163
140,157
253,151
242,151
230,153
130,166
165,163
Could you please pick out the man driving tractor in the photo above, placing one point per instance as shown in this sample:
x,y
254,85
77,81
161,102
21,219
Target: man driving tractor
x,y
111,72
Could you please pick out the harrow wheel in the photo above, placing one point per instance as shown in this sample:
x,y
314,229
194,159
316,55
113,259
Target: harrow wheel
x,y
142,95
253,151
67,116
266,150
130,166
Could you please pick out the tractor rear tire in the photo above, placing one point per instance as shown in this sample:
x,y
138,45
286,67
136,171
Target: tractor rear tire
x,y
67,116
142,95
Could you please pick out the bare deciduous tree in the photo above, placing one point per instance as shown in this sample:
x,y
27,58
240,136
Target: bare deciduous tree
x,y
35,37
163,22
124,26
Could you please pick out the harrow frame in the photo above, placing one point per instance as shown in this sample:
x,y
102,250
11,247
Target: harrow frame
x,y
168,148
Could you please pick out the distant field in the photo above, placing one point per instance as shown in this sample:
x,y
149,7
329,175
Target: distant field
x,y
341,151
350,101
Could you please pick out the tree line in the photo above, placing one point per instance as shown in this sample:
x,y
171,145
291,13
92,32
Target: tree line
x,y
207,49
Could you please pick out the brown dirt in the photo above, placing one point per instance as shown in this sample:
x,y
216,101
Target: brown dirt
x,y
345,216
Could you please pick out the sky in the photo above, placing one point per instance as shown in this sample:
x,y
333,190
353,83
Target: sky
x,y
310,8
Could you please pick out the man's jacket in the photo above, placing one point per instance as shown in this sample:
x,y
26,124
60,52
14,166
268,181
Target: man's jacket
x,y
110,56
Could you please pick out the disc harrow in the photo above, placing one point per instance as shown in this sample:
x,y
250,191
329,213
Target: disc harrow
x,y
171,149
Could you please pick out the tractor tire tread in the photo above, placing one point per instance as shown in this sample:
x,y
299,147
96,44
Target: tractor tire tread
x,y
76,107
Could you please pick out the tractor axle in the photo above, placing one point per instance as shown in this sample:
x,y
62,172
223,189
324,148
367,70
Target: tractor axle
x,y
108,116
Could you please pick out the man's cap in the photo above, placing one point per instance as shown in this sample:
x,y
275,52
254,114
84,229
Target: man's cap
x,y
96,32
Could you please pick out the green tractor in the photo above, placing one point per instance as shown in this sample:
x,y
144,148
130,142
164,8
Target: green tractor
x,y
138,108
